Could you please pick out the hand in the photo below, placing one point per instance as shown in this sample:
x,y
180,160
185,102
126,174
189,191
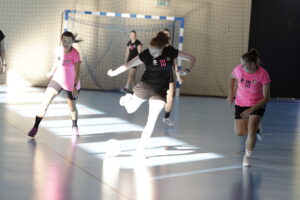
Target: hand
x,y
75,92
111,73
180,81
246,113
1,66
4,66
185,72
49,74
230,100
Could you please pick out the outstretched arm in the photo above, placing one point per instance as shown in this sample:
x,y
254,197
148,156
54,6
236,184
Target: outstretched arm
x,y
132,63
187,57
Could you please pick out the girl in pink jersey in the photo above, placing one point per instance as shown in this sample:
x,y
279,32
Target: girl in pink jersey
x,y
253,92
65,76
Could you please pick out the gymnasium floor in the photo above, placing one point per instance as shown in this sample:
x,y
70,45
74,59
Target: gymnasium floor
x,y
199,158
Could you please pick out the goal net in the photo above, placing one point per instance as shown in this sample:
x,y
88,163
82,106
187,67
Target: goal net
x,y
105,36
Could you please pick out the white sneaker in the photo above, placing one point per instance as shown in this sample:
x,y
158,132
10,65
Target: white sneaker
x,y
122,99
168,121
246,161
125,98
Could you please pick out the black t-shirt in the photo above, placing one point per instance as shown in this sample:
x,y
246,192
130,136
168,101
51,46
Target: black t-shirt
x,y
2,36
157,73
133,52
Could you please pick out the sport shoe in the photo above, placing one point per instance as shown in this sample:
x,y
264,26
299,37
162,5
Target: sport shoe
x,y
260,134
75,131
33,132
168,121
125,98
246,161
122,99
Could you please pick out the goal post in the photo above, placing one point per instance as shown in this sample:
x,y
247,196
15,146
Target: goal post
x,y
105,35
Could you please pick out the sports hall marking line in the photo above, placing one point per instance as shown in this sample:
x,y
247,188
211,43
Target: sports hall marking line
x,y
70,161
197,172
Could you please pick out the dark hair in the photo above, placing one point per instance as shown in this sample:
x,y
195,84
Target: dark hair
x,y
251,56
70,34
133,31
160,40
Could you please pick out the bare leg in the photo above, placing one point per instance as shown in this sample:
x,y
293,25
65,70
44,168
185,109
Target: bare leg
x,y
169,105
241,127
253,124
73,109
50,94
155,107
131,78
170,95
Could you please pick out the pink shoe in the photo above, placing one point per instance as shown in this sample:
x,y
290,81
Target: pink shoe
x,y
75,131
33,132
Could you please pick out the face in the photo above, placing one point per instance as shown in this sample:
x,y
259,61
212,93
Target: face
x,y
132,36
67,42
248,67
155,51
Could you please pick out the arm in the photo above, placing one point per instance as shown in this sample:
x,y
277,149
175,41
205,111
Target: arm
x,y
266,99
53,69
132,63
231,91
126,54
2,56
187,57
139,48
77,73
177,73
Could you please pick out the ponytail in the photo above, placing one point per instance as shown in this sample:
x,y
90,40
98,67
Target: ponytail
x,y
251,56
73,36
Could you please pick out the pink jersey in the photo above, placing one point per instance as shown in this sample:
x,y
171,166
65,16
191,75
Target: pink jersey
x,y
65,68
250,86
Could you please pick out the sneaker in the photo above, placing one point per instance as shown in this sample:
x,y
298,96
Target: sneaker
x,y
122,99
75,131
168,121
125,98
246,161
125,90
33,132
259,135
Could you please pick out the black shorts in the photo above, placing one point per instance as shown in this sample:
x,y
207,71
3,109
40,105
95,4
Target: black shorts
x,y
55,85
144,91
240,109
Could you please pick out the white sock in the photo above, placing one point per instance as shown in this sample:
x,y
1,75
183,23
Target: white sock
x,y
248,153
